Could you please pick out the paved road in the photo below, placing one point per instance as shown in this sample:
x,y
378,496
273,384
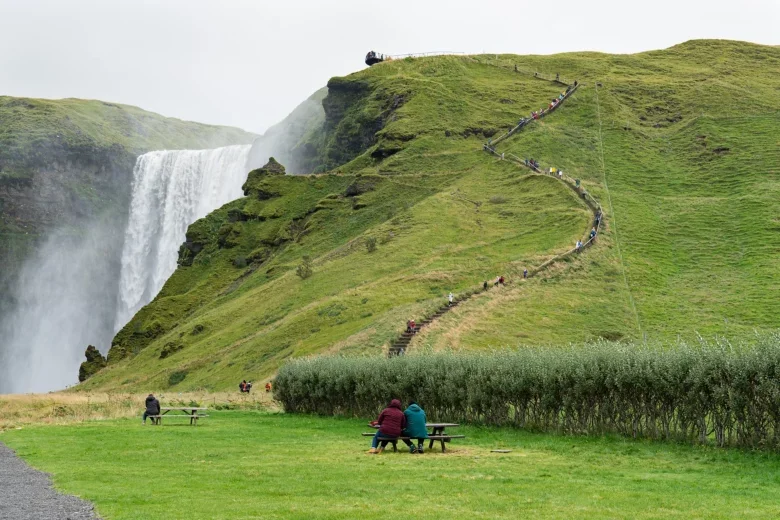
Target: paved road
x,y
27,494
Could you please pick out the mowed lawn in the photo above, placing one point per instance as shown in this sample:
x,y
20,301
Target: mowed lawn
x,y
239,465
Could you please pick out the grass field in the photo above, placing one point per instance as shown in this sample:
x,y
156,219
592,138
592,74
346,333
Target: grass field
x,y
240,465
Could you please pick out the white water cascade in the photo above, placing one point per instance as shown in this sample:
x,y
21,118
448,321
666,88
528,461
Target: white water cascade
x,y
171,190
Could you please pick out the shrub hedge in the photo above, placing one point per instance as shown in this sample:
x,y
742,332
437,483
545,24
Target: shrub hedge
x,y
714,392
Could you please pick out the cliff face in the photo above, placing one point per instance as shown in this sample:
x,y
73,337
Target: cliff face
x,y
67,163
354,113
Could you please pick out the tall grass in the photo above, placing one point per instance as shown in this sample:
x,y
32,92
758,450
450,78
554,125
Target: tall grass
x,y
711,392
17,410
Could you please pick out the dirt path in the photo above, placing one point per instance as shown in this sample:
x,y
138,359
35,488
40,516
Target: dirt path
x,y
27,494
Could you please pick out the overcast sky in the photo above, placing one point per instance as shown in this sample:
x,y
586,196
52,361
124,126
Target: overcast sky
x,y
249,63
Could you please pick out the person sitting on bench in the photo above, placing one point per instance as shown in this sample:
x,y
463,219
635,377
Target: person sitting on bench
x,y
391,422
152,407
415,427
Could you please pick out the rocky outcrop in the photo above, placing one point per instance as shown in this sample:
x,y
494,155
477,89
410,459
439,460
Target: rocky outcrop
x,y
355,113
94,363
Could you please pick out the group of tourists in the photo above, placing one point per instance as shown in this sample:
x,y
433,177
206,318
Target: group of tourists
x,y
393,423
245,387
500,280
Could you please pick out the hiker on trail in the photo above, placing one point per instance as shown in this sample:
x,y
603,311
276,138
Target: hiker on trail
x,y
561,96
409,325
450,298
501,280
515,67
557,77
598,218
485,286
578,246
575,83
391,423
593,233
244,387
525,273
415,427
268,386
560,174
502,156
152,407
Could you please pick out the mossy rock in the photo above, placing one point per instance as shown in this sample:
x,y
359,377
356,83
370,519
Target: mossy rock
x,y
171,348
229,235
94,363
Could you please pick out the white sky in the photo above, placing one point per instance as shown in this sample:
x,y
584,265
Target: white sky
x,y
249,63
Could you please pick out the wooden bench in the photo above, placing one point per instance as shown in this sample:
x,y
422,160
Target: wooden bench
x,y
394,441
193,413
193,418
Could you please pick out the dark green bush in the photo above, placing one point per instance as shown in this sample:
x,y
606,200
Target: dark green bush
x,y
709,393
177,377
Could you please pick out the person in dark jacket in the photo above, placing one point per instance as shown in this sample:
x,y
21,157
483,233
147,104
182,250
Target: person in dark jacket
x,y
415,427
391,422
152,407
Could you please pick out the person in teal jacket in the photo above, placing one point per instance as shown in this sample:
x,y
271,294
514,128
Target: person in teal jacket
x,y
415,427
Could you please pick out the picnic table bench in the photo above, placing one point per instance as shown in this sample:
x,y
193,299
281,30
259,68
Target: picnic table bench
x,y
437,434
192,412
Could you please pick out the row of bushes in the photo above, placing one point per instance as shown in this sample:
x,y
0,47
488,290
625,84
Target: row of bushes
x,y
713,392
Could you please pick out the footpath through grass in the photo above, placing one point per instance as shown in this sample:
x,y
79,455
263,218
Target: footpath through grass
x,y
240,465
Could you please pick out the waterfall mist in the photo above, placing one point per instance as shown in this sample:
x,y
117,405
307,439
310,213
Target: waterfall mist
x,y
80,288
66,296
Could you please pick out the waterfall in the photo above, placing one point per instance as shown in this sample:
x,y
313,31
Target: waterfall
x,y
171,190
68,296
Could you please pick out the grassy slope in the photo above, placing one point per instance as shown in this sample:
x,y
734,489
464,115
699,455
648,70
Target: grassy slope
x,y
697,226
688,244
256,465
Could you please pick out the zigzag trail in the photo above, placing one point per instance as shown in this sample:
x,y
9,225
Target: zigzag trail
x,y
400,345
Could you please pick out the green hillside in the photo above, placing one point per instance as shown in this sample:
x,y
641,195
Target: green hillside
x,y
679,146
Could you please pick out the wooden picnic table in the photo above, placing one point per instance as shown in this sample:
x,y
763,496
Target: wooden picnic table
x,y
192,412
437,434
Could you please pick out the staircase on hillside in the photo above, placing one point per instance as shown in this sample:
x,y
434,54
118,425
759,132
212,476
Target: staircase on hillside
x,y
400,345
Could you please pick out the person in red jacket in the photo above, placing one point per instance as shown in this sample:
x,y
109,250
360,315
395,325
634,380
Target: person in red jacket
x,y
391,422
